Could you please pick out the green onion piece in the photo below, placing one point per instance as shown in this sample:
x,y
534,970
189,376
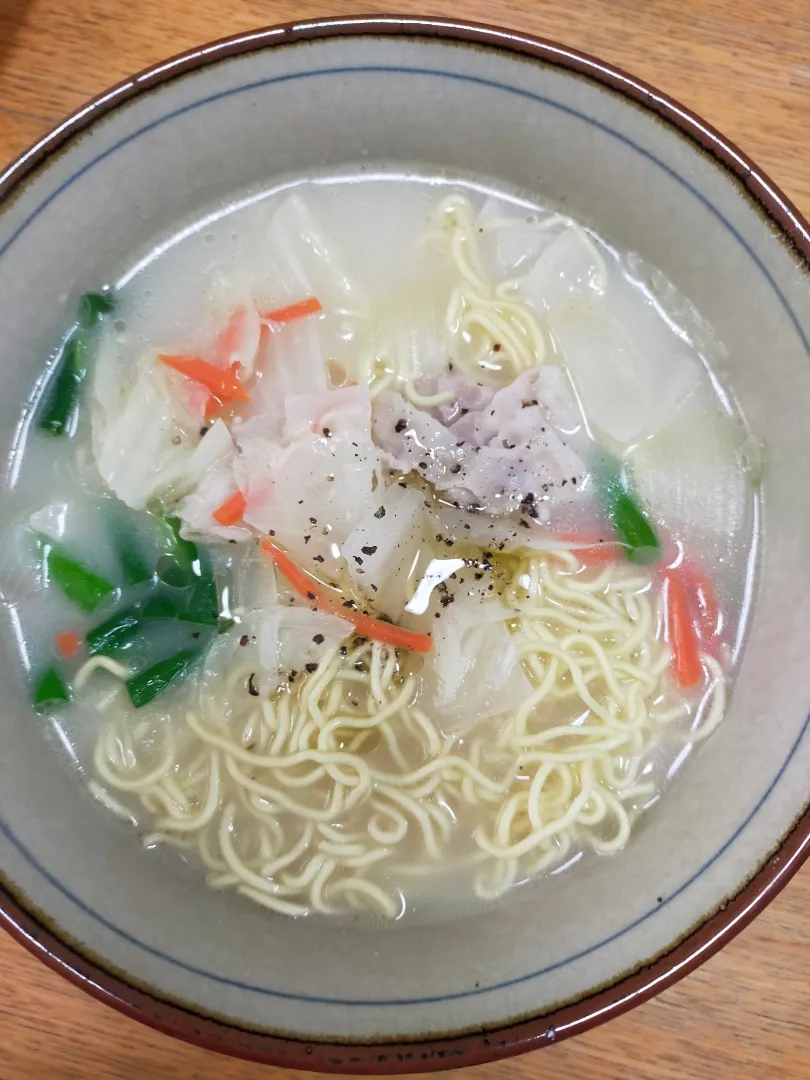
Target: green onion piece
x,y
628,519
65,385
50,690
176,565
114,635
633,528
81,586
161,607
146,686
93,306
133,564
203,603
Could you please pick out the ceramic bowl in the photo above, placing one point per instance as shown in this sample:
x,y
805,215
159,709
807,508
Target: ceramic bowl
x,y
573,950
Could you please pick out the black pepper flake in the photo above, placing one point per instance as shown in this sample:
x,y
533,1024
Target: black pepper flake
x,y
467,525
400,426
326,432
423,464
455,469
307,539
527,403
310,596
231,540
253,689
311,667
369,549
447,599
244,640
318,558
196,634
358,560
343,650
203,431
380,513
524,523
349,603
300,502
497,347
463,412
318,639
402,484
271,532
573,479
479,575
313,521
508,445
374,587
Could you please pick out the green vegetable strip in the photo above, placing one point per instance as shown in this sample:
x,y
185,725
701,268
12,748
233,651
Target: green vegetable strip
x,y
112,636
161,607
146,686
50,690
176,564
133,565
63,393
203,603
94,306
628,519
81,586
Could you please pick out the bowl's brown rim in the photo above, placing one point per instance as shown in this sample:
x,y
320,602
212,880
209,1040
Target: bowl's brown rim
x,y
628,991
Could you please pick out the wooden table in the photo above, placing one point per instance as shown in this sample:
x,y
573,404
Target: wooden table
x,y
744,66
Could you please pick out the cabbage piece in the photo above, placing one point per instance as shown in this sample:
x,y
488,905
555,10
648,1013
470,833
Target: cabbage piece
x,y
630,369
290,638
291,362
254,582
473,671
383,548
515,246
313,491
692,476
566,270
298,259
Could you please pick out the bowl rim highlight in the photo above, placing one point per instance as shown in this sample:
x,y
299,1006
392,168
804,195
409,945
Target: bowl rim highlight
x,y
43,938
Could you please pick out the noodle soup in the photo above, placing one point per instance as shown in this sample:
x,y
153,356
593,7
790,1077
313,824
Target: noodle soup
x,y
381,543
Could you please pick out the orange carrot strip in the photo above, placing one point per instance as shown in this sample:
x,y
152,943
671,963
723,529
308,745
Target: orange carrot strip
x,y
231,510
708,612
221,383
228,339
68,643
365,625
594,553
681,633
294,311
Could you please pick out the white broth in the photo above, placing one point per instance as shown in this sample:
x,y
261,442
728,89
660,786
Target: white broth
x,y
382,543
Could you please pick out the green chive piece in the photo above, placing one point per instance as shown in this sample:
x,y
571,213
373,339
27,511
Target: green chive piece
x,y
146,686
51,689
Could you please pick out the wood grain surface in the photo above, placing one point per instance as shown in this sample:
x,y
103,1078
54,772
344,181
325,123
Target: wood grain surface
x,y
744,65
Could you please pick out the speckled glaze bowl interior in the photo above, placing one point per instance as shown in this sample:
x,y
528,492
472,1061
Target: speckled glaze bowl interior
x,y
573,950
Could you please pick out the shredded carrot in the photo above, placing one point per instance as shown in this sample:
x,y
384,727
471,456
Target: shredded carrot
x,y
597,551
708,610
221,383
68,643
295,311
681,633
365,625
231,510
228,340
